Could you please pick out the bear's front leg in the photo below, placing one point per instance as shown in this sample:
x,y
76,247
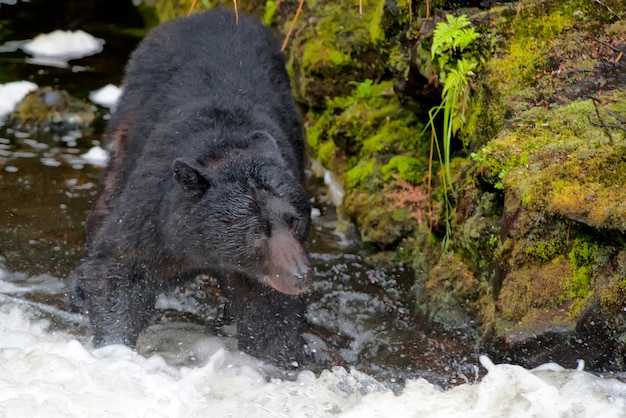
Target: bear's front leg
x,y
116,298
269,323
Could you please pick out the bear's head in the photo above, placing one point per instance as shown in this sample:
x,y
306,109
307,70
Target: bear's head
x,y
249,216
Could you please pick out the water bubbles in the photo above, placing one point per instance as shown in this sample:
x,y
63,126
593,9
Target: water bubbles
x,y
50,162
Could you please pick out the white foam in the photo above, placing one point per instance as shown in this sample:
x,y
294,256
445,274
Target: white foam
x,y
50,374
65,45
13,93
107,96
96,156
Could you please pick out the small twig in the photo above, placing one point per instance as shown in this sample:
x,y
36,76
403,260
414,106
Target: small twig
x,y
193,5
419,32
608,125
606,130
293,24
430,178
608,45
519,11
608,8
616,116
360,8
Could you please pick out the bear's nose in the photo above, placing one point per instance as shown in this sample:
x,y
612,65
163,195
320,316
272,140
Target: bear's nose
x,y
302,268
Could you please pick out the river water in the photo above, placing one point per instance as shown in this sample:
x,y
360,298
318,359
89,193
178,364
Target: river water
x,y
372,359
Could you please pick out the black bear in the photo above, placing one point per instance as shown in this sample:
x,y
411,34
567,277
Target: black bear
x,y
205,177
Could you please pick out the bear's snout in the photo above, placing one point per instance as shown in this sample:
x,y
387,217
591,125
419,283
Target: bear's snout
x,y
288,266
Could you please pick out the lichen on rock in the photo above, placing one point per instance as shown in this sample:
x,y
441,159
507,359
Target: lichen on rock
x,y
51,110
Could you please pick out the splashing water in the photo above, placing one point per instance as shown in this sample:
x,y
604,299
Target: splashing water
x,y
48,373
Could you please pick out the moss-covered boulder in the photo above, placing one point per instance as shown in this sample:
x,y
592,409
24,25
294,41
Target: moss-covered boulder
x,y
555,177
334,47
51,110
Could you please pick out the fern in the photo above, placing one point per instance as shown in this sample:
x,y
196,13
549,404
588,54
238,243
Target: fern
x,y
452,35
451,40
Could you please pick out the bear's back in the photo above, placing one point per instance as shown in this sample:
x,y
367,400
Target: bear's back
x,y
208,55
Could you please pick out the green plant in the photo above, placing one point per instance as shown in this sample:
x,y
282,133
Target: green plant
x,y
270,10
364,89
450,50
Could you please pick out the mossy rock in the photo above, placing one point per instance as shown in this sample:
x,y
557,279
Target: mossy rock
x,y
334,48
562,163
449,295
540,215
52,110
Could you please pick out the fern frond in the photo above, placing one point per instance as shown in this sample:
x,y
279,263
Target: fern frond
x,y
464,38
445,34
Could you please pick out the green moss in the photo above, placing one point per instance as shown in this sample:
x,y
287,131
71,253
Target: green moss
x,y
407,167
400,215
494,164
527,289
376,31
370,122
544,251
583,252
361,175
582,256
611,286
394,135
334,49
449,292
326,153
368,138
539,160
578,283
321,53
527,52
168,10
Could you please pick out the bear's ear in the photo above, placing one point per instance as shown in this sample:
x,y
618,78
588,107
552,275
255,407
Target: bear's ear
x,y
263,138
189,178
265,145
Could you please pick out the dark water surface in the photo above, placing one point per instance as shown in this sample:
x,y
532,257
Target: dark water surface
x,y
360,315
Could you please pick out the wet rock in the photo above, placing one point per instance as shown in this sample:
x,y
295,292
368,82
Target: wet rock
x,y
47,109
448,294
597,339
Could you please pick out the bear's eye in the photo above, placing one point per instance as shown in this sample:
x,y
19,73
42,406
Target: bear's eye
x,y
264,230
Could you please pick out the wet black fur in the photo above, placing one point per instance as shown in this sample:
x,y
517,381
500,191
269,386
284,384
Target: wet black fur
x,y
207,162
